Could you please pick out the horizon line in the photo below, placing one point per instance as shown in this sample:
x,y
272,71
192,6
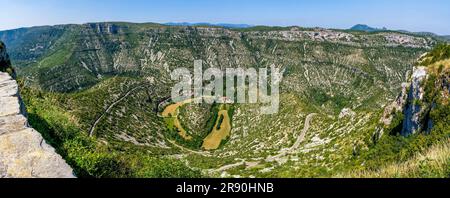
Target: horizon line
x,y
220,24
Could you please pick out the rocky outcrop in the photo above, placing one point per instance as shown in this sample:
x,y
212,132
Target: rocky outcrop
x,y
413,109
4,58
391,111
5,63
23,151
410,112
406,108
347,112
396,106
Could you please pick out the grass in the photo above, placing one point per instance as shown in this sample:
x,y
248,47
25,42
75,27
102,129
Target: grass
x,y
439,65
433,163
440,52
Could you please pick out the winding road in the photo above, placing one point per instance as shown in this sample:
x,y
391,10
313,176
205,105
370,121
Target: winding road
x,y
281,154
297,143
202,153
91,131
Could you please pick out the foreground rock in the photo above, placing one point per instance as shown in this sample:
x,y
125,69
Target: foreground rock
x,y
23,151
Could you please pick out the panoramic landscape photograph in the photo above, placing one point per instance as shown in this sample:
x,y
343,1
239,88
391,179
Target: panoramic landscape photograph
x,y
224,89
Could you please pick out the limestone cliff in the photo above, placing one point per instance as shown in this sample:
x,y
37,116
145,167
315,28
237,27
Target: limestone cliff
x,y
413,109
23,151
410,112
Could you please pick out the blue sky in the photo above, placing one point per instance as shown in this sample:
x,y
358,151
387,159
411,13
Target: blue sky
x,y
413,15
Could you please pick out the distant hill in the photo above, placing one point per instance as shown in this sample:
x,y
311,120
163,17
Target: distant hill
x,y
446,37
429,34
366,28
438,37
225,25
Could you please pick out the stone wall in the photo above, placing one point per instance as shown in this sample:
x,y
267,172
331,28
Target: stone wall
x,y
23,151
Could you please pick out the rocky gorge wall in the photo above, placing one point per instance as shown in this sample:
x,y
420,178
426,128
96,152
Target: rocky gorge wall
x,y
407,105
410,112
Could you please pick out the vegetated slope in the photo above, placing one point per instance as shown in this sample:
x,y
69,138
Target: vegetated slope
x,y
431,163
116,76
446,38
416,120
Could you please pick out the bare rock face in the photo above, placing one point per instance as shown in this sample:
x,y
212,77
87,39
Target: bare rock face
x,y
410,113
390,111
405,104
23,151
411,123
395,106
